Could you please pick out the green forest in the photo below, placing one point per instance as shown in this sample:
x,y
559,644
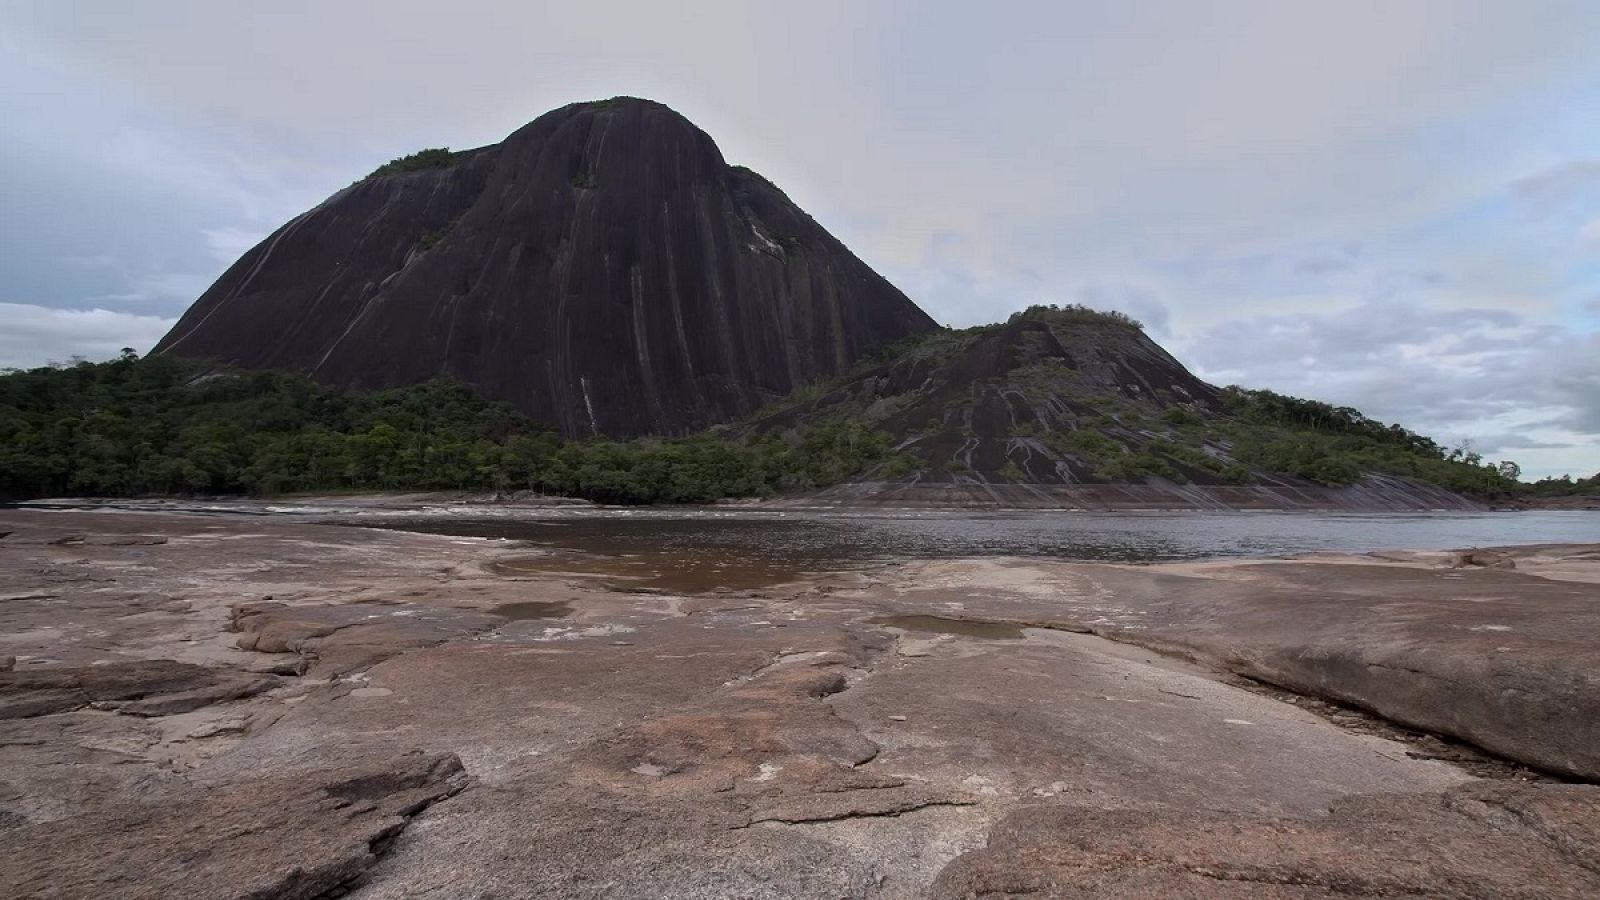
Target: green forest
x,y
1334,445
1240,438
162,425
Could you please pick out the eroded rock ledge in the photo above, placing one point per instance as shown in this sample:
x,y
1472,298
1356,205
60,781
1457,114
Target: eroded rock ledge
x,y
156,687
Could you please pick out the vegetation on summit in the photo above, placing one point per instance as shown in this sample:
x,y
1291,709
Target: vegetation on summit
x,y
430,158
1074,314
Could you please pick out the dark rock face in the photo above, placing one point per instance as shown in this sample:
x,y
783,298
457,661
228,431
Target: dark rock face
x,y
602,269
997,404
965,404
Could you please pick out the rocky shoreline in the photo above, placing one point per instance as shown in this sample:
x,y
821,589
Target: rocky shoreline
x,y
234,706
1374,494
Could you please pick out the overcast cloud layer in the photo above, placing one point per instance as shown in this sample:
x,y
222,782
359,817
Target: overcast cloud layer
x,y
1392,206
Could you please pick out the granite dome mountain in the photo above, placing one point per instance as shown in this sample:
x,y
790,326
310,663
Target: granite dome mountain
x,y
602,269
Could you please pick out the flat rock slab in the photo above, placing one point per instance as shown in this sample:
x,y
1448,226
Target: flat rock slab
x,y
1079,718
1502,659
340,638
1479,841
254,839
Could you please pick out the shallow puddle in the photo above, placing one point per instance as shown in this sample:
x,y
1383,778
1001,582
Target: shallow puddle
x,y
697,556
533,609
676,573
995,631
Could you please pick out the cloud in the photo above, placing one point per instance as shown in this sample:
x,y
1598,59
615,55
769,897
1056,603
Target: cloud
x,y
159,286
228,244
1139,302
1457,374
1264,183
98,261
1559,186
32,336
1589,234
1326,260
1497,443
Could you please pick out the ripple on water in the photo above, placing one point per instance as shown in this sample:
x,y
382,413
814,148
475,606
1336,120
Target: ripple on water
x,y
668,570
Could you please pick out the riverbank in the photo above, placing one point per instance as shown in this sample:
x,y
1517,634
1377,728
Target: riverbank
x,y
1589,502
1373,494
228,705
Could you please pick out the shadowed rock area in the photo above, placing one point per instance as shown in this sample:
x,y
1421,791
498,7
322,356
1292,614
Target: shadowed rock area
x,y
259,707
602,269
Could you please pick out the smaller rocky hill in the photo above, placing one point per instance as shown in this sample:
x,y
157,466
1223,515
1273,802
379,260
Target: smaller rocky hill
x,y
1063,402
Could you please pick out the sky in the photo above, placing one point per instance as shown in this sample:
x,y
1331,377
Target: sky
x,y
1391,205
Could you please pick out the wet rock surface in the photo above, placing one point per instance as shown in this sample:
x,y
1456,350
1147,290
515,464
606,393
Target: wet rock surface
x,y
421,721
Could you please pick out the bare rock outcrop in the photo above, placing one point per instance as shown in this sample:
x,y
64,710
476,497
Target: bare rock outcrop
x,y
137,687
1500,659
343,638
602,269
282,838
1482,840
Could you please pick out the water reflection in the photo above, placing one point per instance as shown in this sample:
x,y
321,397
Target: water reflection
x,y
678,570
994,631
699,550
524,610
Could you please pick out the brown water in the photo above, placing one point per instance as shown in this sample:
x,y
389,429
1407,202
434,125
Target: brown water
x,y
994,631
533,609
703,550
666,571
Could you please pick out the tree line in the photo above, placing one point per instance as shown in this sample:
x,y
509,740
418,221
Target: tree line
x,y
162,425
1335,445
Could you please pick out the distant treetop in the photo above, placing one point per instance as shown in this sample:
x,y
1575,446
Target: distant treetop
x,y
431,158
1075,314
